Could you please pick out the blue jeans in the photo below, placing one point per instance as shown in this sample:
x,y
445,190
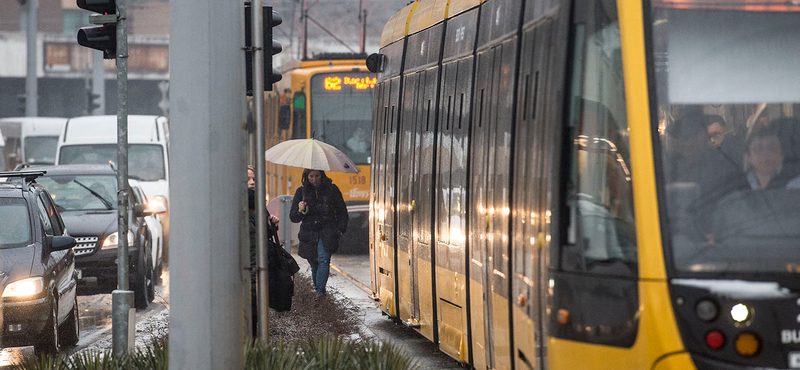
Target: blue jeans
x,y
320,268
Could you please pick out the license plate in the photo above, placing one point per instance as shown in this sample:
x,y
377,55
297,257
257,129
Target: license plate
x,y
794,360
79,273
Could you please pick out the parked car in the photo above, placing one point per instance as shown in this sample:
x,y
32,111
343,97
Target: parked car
x,y
86,196
38,277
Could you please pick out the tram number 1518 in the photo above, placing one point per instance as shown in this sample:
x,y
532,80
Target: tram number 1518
x,y
358,180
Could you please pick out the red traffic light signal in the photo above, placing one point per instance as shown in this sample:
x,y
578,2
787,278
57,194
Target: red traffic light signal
x,y
103,38
99,6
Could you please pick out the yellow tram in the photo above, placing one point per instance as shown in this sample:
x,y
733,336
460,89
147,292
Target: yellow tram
x,y
591,184
330,98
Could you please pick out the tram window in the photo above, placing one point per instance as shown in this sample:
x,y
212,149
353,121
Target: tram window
x,y
299,116
601,233
729,128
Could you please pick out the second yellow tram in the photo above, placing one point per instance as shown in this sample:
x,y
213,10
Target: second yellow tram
x,y
329,98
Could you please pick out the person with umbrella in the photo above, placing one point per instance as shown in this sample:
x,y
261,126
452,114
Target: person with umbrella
x,y
318,204
319,207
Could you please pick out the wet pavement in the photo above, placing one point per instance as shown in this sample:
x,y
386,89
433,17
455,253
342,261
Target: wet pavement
x,y
351,277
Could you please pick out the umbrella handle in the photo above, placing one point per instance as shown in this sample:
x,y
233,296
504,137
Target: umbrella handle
x,y
305,210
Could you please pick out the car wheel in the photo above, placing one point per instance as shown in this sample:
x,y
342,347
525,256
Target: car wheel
x,y
48,343
144,278
71,328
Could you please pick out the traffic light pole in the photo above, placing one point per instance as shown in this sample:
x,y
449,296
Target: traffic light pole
x,y
257,22
31,83
98,83
123,311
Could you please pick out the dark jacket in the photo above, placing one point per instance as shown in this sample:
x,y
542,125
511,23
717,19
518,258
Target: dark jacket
x,y
326,218
271,229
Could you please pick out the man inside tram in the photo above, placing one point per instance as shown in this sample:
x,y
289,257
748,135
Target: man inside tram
x,y
700,172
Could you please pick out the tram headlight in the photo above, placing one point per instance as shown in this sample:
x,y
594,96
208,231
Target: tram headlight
x,y
706,310
740,312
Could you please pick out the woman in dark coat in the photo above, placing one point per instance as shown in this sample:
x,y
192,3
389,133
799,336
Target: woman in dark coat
x,y
319,207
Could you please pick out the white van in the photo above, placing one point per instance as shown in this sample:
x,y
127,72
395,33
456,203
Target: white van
x,y
93,140
31,140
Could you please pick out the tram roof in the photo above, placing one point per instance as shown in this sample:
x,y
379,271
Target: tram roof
x,y
421,15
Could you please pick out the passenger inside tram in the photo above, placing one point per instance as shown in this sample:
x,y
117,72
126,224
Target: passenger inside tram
x,y
766,159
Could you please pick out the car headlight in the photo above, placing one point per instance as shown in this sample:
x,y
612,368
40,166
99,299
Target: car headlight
x,y
112,241
24,288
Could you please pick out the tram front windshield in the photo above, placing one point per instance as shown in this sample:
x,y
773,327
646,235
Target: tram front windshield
x,y
341,112
728,93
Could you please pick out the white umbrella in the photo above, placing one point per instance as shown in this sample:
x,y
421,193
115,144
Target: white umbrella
x,y
310,153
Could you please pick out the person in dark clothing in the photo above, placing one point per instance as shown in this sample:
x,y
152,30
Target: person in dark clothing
x,y
272,227
319,207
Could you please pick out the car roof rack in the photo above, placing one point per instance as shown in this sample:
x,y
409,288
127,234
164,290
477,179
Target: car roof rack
x,y
27,176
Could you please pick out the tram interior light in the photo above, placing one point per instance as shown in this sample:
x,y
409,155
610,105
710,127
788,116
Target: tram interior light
x,y
740,312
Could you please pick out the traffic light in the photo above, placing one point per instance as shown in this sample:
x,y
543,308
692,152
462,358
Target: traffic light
x,y
104,37
92,102
22,100
271,47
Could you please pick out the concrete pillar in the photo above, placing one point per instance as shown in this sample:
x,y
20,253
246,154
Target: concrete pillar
x,y
207,104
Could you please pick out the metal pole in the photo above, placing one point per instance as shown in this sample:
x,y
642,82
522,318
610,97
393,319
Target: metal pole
x,y
261,190
206,324
364,32
99,82
31,84
305,31
361,28
122,333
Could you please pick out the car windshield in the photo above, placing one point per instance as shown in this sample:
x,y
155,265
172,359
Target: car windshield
x,y
41,149
341,112
729,129
15,229
83,192
145,161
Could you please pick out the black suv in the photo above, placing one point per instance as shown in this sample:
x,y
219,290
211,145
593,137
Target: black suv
x,y
37,268
86,196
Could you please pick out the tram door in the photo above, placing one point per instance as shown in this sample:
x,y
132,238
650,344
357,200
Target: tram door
x,y
531,179
383,207
407,270
490,253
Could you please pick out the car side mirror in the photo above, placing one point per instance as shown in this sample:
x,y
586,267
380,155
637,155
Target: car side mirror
x,y
156,208
141,210
60,243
